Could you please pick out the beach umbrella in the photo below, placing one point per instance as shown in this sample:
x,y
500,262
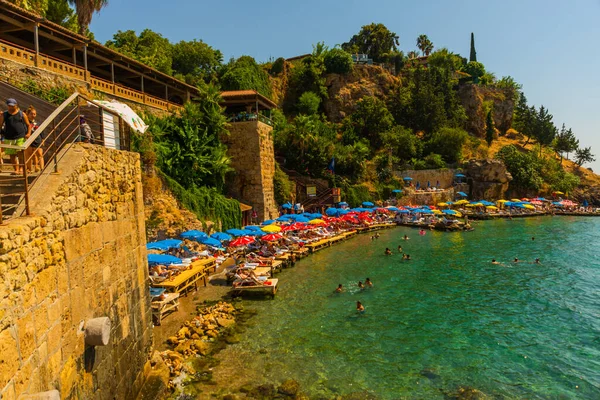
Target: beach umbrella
x,y
383,210
462,194
585,203
316,221
287,206
268,222
193,234
403,212
209,241
437,212
332,211
442,204
271,228
450,212
164,244
449,203
477,204
236,232
503,201
301,218
342,203
242,241
568,203
557,193
165,259
536,202
515,200
528,206
392,208
271,237
461,202
396,191
252,228
460,176
367,204
491,207
220,236
407,178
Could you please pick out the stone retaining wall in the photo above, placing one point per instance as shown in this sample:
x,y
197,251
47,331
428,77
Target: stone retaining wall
x,y
82,256
444,176
250,146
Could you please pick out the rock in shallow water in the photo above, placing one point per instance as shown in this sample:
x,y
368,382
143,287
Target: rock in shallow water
x,y
289,388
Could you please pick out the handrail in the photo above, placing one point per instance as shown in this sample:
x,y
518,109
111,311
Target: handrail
x,y
43,126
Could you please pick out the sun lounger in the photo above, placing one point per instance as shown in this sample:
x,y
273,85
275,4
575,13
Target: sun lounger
x,y
185,280
269,286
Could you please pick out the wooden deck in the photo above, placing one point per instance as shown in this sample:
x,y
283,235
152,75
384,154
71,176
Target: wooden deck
x,y
185,280
269,289
162,307
318,245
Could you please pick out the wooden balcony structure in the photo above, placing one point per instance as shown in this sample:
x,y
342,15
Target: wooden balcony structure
x,y
29,39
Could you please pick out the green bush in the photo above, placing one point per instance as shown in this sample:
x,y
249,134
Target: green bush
x,y
434,161
282,186
309,103
277,66
245,74
337,61
448,142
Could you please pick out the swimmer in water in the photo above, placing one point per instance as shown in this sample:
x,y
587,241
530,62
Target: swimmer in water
x,y
537,261
422,232
516,260
399,249
406,237
339,289
359,307
532,238
494,261
360,285
368,282
388,252
408,256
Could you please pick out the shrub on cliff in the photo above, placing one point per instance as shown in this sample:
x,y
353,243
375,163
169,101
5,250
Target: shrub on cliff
x,y
337,61
282,186
447,142
309,103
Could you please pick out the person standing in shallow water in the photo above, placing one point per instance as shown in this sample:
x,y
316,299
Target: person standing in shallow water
x,y
339,289
360,285
368,282
359,307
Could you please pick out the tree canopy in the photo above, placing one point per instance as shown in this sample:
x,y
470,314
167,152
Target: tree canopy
x,y
376,40
424,44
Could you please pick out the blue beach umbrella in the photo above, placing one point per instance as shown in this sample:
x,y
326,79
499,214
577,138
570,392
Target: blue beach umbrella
x,y
462,194
268,222
252,228
332,212
164,244
449,212
193,234
165,259
287,206
255,233
407,178
342,203
236,232
220,236
393,208
211,242
460,176
302,219
367,204
585,203
396,191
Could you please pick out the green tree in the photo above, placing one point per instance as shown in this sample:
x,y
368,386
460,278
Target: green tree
x,y
309,103
524,117
447,60
149,48
489,128
545,130
424,44
278,66
194,61
337,61
413,54
584,155
475,69
565,142
245,74
510,86
85,9
376,40
370,119
448,142
473,53
522,166
60,12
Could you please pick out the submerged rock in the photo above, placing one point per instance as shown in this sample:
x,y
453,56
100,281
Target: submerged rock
x,y
429,374
467,393
289,388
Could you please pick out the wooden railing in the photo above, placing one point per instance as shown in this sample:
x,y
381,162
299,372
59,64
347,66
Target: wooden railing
x,y
25,56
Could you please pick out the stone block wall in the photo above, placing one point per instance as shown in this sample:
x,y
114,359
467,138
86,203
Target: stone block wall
x,y
80,257
250,146
444,176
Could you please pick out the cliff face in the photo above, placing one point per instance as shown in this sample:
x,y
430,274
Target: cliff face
x,y
345,90
473,98
490,179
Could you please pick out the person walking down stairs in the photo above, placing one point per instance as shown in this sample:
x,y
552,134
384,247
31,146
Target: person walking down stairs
x,y
15,130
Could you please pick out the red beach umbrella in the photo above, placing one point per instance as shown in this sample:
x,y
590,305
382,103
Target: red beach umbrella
x,y
241,241
271,237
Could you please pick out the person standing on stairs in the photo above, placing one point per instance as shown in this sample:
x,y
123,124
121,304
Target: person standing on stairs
x,y
16,129
35,154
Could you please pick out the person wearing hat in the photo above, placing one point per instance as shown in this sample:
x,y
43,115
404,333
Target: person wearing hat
x,y
15,130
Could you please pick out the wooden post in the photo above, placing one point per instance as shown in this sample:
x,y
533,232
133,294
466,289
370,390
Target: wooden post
x,y
36,41
142,80
74,56
166,93
85,62
112,72
26,181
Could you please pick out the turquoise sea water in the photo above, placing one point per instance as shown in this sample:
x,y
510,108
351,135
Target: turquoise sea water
x,y
445,319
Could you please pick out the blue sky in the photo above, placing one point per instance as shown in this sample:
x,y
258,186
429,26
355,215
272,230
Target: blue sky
x,y
550,47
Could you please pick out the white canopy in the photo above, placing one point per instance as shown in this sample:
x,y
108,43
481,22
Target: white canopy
x,y
125,112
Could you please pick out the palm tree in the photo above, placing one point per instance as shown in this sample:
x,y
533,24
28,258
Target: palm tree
x,y
303,132
424,44
413,54
85,9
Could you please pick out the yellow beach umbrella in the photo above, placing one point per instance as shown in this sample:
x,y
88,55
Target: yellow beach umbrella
x,y
529,206
515,200
316,221
437,212
458,215
442,205
470,205
558,193
478,205
492,207
461,202
502,201
271,228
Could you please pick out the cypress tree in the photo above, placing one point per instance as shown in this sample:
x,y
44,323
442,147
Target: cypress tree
x,y
473,55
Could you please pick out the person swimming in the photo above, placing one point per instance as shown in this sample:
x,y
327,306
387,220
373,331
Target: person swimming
x,y
406,237
494,261
537,261
368,282
359,307
388,252
422,232
408,256
339,289
516,260
399,249
532,238
360,285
